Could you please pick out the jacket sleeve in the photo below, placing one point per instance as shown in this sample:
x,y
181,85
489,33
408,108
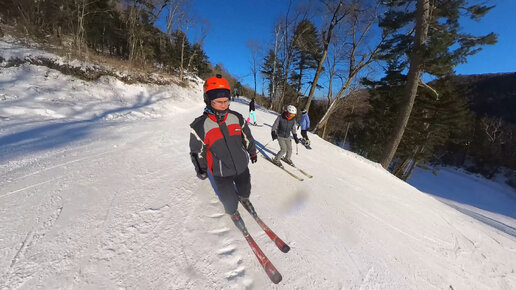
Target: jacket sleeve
x,y
305,122
294,130
198,152
276,124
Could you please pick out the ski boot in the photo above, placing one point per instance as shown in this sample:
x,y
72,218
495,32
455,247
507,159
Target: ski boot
x,y
277,162
246,203
288,161
239,223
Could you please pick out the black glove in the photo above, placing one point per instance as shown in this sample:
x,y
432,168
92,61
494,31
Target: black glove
x,y
295,139
254,158
274,135
202,174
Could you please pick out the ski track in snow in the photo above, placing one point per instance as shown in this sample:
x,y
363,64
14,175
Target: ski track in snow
x,y
131,232
128,226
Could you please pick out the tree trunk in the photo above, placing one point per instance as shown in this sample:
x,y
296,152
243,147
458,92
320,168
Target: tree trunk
x,y
333,103
80,26
277,32
285,78
263,86
401,167
411,170
286,66
299,83
190,60
414,74
348,125
325,132
327,40
254,92
324,120
254,75
181,66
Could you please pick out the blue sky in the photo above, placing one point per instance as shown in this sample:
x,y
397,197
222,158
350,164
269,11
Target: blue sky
x,y
233,23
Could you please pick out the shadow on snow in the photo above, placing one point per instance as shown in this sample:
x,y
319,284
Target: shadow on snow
x,y
57,134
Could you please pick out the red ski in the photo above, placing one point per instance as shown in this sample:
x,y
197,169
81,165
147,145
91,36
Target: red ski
x,y
279,243
269,268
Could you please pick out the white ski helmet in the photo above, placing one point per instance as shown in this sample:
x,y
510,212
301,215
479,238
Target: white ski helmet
x,y
291,109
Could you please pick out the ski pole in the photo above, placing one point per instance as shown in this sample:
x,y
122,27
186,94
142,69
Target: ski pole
x,y
267,144
296,149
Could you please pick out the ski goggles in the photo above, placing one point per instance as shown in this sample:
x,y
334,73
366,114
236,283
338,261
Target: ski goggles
x,y
290,115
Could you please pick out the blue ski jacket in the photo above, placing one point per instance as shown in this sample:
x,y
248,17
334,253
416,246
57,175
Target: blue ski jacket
x,y
304,122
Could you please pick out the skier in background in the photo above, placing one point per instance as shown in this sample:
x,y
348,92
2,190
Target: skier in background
x,y
252,113
304,123
281,129
221,143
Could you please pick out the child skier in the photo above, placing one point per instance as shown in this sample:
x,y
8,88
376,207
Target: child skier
x,y
221,143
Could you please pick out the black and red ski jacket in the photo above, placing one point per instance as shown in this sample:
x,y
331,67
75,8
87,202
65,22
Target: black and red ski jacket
x,y
223,147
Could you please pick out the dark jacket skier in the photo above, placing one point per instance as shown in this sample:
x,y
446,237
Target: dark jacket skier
x,y
281,129
251,105
252,113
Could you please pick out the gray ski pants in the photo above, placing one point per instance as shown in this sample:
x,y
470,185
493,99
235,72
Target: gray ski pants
x,y
285,148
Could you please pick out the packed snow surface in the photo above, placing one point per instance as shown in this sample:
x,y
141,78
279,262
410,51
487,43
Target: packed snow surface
x,y
97,191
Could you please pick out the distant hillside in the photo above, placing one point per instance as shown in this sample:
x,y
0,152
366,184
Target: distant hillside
x,y
490,94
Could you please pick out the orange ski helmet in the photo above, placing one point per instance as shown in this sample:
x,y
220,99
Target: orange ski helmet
x,y
216,82
216,87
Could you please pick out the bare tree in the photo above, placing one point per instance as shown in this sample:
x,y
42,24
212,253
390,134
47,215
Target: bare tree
x,y
254,48
337,16
272,74
184,22
356,60
174,8
200,42
177,20
277,40
493,128
289,23
335,57
332,68
82,12
134,23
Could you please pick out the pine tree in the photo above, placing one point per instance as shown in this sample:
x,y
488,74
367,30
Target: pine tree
x,y
200,62
428,40
434,122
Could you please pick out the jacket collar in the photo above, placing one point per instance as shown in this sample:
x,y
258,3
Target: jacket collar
x,y
218,118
